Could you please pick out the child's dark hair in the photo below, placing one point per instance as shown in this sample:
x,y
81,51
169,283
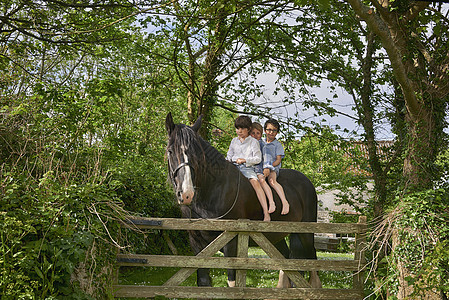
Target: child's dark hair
x,y
243,122
273,122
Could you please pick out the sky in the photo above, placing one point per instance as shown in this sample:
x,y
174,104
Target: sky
x,y
343,103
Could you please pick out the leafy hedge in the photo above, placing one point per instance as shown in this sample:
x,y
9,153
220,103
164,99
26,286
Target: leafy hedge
x,y
74,160
55,239
59,239
420,229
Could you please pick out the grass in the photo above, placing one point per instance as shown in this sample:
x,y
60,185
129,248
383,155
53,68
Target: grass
x,y
255,278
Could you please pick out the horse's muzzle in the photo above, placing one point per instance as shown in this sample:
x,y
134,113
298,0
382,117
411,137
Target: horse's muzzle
x,y
186,197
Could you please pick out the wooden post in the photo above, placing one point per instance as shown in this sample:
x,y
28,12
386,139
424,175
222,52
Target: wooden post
x,y
116,269
359,255
242,251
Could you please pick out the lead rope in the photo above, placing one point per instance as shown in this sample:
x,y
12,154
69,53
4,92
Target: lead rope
x,y
235,201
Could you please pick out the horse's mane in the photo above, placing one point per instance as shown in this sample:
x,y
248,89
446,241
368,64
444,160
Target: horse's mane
x,y
203,157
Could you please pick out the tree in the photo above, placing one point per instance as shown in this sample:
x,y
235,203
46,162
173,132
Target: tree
x,y
76,128
415,38
63,23
212,44
82,85
417,57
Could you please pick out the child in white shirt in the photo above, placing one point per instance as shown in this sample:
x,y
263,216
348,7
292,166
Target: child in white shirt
x,y
244,151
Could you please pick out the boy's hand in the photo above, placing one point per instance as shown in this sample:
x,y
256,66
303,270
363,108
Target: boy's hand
x,y
240,161
266,172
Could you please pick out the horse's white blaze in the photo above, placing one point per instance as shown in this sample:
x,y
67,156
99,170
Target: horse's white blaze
x,y
187,190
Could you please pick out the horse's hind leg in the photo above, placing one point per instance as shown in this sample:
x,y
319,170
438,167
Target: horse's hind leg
x,y
302,247
314,280
283,281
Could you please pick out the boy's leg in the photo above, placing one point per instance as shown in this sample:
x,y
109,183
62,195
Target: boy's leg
x,y
262,199
278,188
267,190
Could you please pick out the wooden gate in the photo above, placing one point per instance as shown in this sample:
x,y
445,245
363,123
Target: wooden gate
x,y
244,230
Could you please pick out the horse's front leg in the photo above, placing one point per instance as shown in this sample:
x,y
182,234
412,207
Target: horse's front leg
x,y
198,243
230,250
284,281
231,277
203,277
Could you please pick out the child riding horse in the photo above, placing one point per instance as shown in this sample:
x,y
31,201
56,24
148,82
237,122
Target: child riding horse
x,y
208,186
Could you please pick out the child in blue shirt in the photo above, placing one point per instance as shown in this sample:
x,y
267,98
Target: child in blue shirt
x,y
272,153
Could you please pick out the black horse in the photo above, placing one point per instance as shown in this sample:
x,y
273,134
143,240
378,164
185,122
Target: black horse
x,y
208,186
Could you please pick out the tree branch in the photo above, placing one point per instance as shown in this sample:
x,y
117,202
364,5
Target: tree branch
x,y
379,27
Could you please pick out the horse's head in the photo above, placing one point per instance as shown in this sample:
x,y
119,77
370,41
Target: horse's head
x,y
181,153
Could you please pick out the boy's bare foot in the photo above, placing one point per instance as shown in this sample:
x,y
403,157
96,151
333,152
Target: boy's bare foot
x,y
267,218
272,207
285,208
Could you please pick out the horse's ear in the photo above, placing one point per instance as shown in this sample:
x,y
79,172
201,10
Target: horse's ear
x,y
197,124
169,124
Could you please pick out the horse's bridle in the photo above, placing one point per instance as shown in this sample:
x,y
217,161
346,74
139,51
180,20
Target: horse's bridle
x,y
181,165
186,164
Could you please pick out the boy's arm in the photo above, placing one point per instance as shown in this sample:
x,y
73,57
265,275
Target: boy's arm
x,y
230,153
268,166
277,161
279,154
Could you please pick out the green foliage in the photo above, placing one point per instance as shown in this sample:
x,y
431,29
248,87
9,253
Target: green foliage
x,y
84,94
331,164
51,234
72,157
223,123
59,221
64,22
442,166
421,223
142,186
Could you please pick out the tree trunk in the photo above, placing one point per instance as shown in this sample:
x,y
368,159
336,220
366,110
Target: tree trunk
x,y
411,63
404,288
202,86
212,65
421,152
367,112
192,114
